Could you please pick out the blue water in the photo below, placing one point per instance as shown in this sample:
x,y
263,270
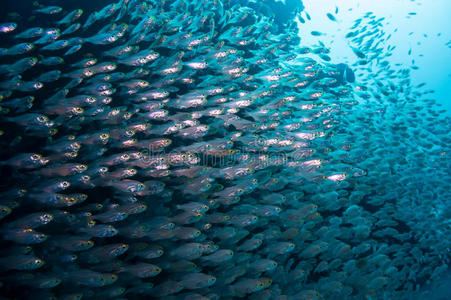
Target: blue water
x,y
427,40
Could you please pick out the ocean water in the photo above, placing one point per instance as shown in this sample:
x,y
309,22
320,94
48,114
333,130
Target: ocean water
x,y
428,41
225,149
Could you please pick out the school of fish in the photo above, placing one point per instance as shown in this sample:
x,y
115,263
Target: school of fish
x,y
191,150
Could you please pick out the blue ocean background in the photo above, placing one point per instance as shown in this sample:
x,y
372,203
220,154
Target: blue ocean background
x,y
426,33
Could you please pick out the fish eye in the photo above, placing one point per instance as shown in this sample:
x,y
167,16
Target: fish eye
x,y
104,136
75,146
82,197
129,132
35,157
42,119
46,218
82,167
65,184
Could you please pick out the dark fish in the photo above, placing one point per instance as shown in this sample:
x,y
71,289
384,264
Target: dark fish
x,y
357,52
331,17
